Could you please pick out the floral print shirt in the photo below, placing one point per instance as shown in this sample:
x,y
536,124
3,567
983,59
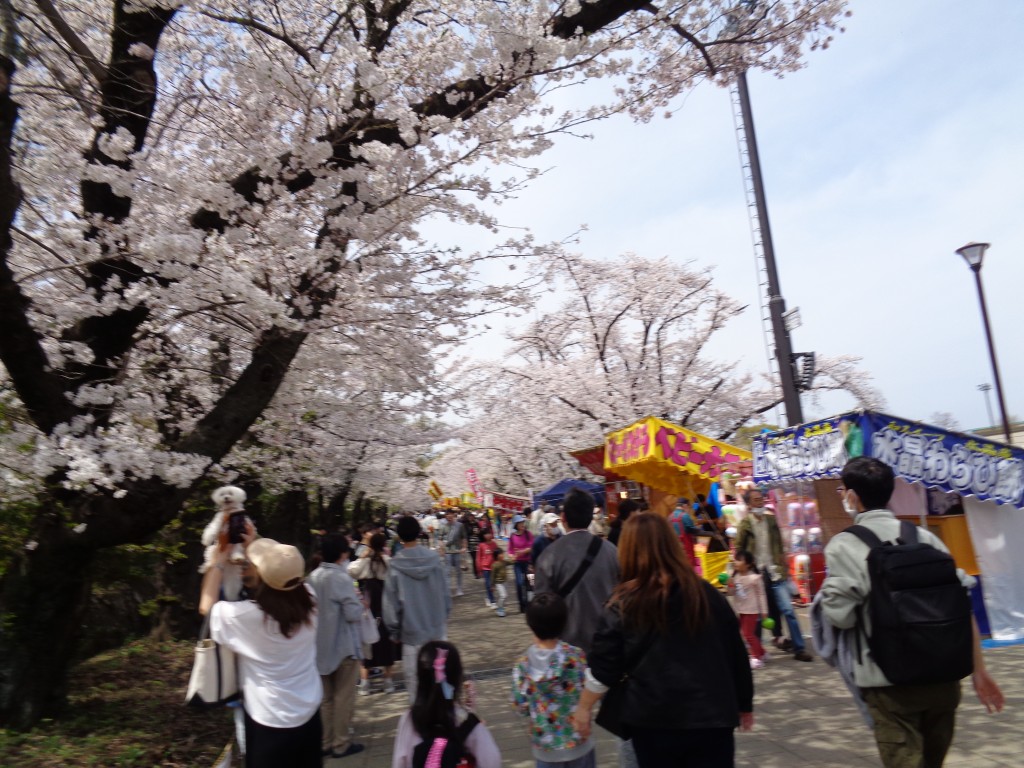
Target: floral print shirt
x,y
546,686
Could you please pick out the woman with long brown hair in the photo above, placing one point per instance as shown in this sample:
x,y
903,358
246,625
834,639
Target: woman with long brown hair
x,y
273,636
676,642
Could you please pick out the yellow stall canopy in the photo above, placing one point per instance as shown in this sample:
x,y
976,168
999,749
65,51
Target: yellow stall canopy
x,y
668,457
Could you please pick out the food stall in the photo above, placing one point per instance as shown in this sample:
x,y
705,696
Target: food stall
x,y
500,507
669,461
966,489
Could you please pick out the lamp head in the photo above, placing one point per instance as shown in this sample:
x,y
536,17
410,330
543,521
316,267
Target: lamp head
x,y
973,254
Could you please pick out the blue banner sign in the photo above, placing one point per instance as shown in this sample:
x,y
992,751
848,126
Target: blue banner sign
x,y
806,452
919,453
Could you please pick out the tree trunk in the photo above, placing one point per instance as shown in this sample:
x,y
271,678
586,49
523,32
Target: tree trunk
x,y
290,520
357,510
334,516
45,593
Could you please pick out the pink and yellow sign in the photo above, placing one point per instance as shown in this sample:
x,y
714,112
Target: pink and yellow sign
x,y
668,457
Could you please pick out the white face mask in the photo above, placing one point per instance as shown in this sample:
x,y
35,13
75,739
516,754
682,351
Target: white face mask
x,y
849,508
758,511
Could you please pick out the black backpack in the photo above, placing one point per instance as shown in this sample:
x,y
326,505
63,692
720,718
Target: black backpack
x,y
921,629
453,754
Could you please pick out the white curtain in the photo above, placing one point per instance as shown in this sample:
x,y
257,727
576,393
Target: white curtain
x,y
997,531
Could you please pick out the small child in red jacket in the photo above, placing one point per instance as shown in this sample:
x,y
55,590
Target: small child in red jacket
x,y
485,560
750,602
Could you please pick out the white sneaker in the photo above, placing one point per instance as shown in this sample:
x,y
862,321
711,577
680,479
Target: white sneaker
x,y
490,605
389,686
756,664
364,687
459,593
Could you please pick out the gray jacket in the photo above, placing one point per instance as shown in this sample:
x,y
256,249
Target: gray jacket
x,y
339,608
416,597
849,584
556,565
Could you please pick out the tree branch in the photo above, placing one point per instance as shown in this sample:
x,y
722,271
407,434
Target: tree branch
x,y
75,43
240,405
21,346
259,26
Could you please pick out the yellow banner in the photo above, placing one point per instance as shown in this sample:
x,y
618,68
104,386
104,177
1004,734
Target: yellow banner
x,y
668,457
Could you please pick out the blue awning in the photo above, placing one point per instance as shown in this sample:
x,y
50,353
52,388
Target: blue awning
x,y
556,493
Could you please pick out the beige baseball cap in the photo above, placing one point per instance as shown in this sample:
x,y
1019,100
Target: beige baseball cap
x,y
280,566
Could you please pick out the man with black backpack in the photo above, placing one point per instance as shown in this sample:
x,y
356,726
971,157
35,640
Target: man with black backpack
x,y
897,587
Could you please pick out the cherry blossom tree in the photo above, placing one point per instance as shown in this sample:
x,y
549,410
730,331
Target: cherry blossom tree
x,y
202,203
631,340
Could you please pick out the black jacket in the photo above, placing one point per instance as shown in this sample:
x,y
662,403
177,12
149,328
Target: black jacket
x,y
682,681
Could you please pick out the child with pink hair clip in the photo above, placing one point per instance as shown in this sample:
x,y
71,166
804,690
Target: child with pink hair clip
x,y
440,730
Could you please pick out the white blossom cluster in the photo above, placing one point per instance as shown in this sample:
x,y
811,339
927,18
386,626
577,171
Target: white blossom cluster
x,y
294,151
629,342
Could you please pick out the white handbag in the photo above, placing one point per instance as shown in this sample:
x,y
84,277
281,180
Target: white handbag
x,y
368,629
214,679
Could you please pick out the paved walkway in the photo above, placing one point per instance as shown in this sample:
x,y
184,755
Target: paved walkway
x,y
805,716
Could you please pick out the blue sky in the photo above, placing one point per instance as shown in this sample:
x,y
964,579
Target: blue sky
x,y
900,143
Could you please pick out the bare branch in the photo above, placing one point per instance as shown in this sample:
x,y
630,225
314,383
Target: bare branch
x,y
96,69
259,26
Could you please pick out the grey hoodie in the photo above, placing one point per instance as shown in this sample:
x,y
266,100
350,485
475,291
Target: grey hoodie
x,y
416,597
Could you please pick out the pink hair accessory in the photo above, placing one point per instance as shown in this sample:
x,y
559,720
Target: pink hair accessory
x,y
435,754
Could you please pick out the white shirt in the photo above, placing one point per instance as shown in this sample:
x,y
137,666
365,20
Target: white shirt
x,y
277,674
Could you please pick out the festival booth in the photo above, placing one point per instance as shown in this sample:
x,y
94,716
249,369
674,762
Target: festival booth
x,y
504,503
966,489
556,493
501,507
670,461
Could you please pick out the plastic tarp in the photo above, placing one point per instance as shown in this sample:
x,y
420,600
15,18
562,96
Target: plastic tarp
x,y
919,453
556,492
997,532
668,457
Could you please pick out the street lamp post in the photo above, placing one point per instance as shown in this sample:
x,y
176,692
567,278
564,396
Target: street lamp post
x,y
985,389
973,254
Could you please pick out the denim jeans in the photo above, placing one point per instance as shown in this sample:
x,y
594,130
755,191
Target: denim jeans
x,y
410,653
487,586
627,755
454,560
783,597
502,594
521,567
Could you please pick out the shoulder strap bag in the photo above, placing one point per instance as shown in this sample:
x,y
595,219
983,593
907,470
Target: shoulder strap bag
x,y
214,679
588,560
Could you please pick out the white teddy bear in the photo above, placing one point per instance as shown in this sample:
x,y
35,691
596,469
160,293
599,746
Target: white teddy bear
x,y
229,499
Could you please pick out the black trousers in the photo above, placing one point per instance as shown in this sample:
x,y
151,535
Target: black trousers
x,y
298,747
690,748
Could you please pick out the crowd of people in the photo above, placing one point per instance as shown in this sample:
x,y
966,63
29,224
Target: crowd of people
x,y
624,629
